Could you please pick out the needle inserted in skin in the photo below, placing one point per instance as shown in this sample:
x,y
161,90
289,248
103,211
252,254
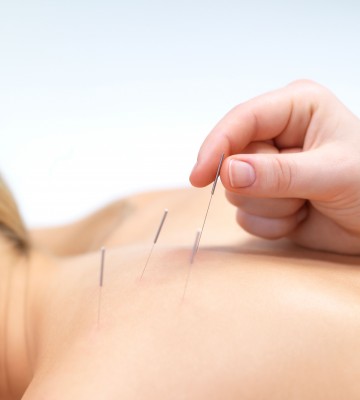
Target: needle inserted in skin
x,y
195,246
207,210
155,240
101,281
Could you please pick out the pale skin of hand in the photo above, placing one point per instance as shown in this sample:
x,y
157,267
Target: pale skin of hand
x,y
292,167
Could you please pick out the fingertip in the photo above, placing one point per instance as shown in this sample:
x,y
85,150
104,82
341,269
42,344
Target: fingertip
x,y
224,174
209,157
199,177
194,175
195,180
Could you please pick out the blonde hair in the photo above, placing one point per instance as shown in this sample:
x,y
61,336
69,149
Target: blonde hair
x,y
12,227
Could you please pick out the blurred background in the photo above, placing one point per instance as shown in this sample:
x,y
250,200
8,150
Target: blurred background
x,y
101,99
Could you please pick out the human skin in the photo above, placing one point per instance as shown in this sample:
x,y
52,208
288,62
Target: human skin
x,y
258,320
291,168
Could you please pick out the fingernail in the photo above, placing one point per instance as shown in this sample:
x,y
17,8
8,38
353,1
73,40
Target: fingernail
x,y
241,174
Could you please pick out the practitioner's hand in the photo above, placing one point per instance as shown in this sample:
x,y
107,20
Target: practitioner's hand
x,y
292,167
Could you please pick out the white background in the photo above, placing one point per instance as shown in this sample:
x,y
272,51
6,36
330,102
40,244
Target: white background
x,y
99,99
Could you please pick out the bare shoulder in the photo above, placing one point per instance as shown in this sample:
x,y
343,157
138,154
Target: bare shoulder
x,y
105,225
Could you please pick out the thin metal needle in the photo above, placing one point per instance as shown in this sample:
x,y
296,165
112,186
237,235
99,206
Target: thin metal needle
x,y
101,281
155,240
211,197
198,232
195,246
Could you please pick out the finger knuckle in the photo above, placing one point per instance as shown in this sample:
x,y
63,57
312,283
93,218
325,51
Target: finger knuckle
x,y
283,175
266,228
309,87
235,199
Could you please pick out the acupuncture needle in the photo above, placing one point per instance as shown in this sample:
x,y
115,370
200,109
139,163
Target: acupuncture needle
x,y
195,246
101,281
207,210
155,240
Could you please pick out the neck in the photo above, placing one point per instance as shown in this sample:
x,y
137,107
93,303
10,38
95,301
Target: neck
x,y
17,322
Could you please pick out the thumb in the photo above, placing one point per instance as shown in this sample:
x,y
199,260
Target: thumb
x,y
311,175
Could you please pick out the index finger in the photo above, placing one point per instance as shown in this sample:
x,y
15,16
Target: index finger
x,y
283,115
